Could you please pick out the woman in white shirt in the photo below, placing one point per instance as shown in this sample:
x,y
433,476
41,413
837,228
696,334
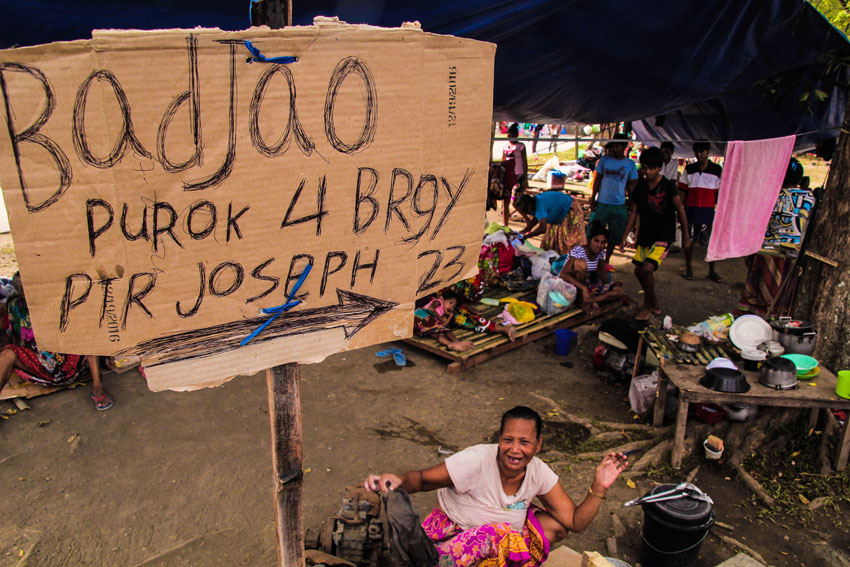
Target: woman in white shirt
x,y
485,495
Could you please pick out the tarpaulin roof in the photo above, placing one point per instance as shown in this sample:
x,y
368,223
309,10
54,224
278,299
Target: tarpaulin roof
x,y
694,63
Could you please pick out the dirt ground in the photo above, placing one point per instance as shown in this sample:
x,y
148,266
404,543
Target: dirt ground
x,y
182,479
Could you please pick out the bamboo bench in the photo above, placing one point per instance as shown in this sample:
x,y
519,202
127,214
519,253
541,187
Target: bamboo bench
x,y
489,345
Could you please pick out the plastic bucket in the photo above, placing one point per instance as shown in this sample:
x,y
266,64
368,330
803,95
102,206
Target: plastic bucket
x,y
842,386
710,453
673,530
564,340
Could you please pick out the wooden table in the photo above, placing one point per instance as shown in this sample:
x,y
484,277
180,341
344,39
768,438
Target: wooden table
x,y
569,187
816,393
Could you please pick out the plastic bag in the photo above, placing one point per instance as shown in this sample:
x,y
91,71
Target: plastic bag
x,y
555,295
551,163
521,311
541,264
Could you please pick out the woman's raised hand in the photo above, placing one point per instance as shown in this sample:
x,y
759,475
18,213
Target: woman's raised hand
x,y
609,469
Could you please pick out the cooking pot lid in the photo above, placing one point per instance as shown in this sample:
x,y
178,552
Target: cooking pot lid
x,y
686,510
793,326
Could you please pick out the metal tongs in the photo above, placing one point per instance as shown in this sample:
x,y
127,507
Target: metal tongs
x,y
684,490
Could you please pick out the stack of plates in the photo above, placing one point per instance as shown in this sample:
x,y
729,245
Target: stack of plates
x,y
807,366
749,331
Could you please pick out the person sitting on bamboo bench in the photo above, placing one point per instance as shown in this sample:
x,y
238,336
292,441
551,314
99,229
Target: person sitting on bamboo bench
x,y
485,493
585,269
438,312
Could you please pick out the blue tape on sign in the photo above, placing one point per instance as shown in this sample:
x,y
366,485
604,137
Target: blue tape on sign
x,y
260,58
276,311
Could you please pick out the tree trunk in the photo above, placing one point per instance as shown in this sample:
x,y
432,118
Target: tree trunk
x,y
273,13
823,292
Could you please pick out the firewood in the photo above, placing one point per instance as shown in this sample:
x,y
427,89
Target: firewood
x,y
745,548
611,546
619,527
692,475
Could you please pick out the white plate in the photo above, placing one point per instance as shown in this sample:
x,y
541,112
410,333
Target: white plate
x,y
749,331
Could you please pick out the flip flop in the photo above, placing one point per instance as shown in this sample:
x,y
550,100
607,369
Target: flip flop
x,y
688,275
102,402
715,277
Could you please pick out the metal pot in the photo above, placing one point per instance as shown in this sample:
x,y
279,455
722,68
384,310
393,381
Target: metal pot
x,y
779,373
798,337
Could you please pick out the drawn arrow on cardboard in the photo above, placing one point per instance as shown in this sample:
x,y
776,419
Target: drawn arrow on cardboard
x,y
353,312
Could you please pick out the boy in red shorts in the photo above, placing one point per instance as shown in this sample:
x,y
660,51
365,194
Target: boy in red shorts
x,y
655,201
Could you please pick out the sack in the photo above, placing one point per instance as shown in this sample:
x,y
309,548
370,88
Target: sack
x,y
409,545
554,295
541,264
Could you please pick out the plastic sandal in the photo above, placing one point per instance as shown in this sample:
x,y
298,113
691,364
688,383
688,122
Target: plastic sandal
x,y
102,402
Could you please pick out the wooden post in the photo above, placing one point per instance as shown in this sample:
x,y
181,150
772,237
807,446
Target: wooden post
x,y
285,418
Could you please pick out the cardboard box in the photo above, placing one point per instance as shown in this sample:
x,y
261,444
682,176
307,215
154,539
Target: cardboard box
x,y
162,190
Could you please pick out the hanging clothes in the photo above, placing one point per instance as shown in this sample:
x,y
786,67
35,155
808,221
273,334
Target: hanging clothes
x,y
752,177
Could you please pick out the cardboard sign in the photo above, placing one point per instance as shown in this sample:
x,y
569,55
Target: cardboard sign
x,y
163,187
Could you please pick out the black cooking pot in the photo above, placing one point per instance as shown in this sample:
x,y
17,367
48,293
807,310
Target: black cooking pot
x,y
725,380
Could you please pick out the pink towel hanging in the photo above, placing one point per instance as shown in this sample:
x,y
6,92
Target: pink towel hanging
x,y
752,176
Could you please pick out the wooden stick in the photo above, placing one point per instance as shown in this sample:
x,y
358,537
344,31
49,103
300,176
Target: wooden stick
x,y
737,544
820,258
285,419
172,550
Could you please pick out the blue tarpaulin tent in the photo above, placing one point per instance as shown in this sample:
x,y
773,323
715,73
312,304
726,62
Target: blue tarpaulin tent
x,y
679,70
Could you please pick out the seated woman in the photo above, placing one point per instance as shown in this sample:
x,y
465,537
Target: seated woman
x,y
485,495
435,316
585,269
39,366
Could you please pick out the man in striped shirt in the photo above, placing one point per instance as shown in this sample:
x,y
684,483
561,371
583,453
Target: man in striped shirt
x,y
698,186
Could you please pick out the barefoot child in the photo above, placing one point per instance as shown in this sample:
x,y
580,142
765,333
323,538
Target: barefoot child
x,y
655,201
433,319
585,269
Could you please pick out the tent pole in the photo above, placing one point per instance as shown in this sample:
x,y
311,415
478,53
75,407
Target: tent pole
x,y
575,139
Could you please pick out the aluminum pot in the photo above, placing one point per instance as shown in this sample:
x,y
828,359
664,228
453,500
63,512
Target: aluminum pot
x,y
798,337
779,373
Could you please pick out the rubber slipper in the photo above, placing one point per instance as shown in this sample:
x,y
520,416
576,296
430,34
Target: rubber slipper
x,y
688,275
715,277
102,402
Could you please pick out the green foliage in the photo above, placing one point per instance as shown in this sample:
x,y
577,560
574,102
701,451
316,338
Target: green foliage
x,y
835,11
792,476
